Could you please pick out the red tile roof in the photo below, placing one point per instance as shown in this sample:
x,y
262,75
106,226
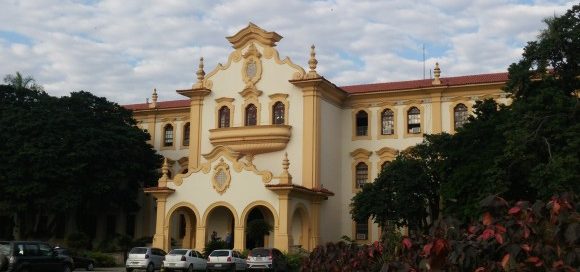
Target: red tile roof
x,y
160,105
369,88
425,83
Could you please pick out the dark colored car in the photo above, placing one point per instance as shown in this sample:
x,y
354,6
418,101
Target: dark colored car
x,y
78,260
267,258
28,256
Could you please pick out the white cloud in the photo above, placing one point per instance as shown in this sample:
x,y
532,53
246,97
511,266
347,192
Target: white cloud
x,y
124,49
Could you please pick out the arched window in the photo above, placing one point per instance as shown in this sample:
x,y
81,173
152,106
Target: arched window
x,y
278,116
460,115
414,120
384,165
251,115
224,117
186,134
387,122
168,135
362,174
362,123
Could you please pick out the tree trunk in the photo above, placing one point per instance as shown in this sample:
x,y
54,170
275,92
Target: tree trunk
x,y
16,229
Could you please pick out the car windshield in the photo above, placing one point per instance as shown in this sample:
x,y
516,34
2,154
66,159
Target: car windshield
x,y
220,253
178,252
139,250
4,248
260,252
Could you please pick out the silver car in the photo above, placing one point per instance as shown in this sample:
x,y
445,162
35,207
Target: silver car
x,y
184,260
146,258
226,259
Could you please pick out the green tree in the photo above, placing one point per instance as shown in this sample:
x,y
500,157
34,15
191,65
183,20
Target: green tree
x,y
78,154
19,82
257,229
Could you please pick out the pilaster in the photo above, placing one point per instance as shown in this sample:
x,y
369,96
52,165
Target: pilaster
x,y
239,236
282,238
436,112
200,238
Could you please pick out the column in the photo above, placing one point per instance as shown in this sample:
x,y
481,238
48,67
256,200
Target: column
x,y
159,238
315,223
195,119
239,235
436,112
281,238
311,138
200,239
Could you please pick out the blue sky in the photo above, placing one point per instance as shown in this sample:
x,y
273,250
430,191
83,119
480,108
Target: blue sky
x,y
124,49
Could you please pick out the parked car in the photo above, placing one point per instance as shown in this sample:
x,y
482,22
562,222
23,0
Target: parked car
x,y
79,261
148,258
16,256
184,260
226,259
267,258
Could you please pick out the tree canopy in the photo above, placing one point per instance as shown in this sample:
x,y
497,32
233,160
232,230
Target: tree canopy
x,y
527,150
78,153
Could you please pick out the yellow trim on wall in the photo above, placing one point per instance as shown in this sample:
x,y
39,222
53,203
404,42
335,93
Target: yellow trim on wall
x,y
386,154
220,102
390,106
302,211
216,205
369,118
360,155
162,144
452,113
369,231
279,97
267,205
406,109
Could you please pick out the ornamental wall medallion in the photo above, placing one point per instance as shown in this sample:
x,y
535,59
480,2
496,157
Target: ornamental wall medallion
x,y
221,177
252,68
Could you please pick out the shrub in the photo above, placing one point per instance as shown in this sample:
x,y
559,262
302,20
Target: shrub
x,y
520,237
102,259
213,245
295,259
77,241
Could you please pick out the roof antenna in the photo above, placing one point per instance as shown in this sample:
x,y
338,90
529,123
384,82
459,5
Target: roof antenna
x,y
423,61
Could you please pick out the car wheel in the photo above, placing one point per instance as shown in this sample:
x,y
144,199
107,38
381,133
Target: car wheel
x,y
24,269
190,268
129,269
150,267
66,268
90,266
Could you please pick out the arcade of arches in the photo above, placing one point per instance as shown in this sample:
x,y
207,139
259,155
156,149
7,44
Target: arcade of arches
x,y
185,227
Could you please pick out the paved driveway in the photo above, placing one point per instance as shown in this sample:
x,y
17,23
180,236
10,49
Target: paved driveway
x,y
108,269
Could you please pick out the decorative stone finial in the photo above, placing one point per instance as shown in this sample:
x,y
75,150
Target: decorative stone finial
x,y
285,162
312,62
162,182
200,74
153,99
165,168
285,177
437,74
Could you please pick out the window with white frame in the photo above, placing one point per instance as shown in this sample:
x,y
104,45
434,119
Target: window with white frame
x,y
224,117
414,120
387,122
460,115
362,123
168,135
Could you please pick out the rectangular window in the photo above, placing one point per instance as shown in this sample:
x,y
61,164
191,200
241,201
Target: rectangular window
x,y
362,230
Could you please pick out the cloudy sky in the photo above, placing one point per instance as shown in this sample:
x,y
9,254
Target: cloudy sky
x,y
122,49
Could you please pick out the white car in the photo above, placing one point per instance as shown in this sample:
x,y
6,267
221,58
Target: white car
x,y
226,259
184,260
146,258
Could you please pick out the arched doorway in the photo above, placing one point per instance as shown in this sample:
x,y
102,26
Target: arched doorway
x,y
182,227
256,220
220,225
300,229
